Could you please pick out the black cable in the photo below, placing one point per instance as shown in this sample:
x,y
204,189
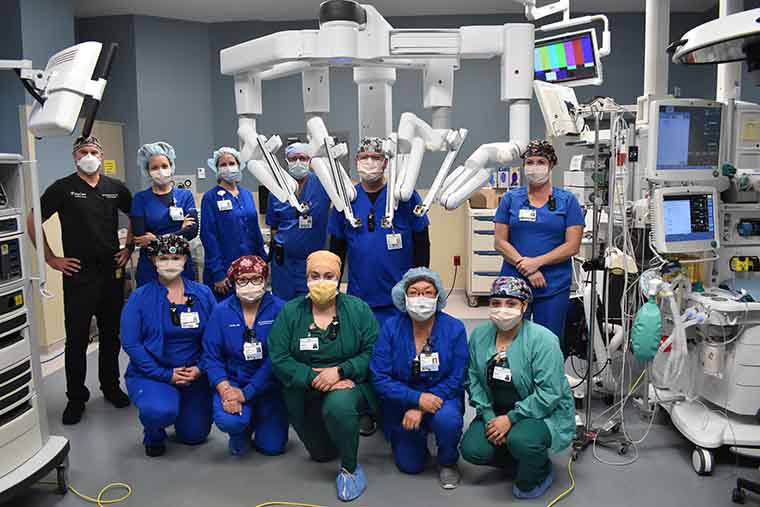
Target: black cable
x,y
453,284
30,89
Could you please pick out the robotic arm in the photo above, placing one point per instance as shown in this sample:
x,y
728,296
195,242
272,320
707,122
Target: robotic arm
x,y
475,172
332,175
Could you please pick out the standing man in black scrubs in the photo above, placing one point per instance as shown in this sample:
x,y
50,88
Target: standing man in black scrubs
x,y
87,203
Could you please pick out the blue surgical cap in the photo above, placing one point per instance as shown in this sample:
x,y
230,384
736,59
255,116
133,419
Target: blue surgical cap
x,y
398,293
297,148
149,150
224,150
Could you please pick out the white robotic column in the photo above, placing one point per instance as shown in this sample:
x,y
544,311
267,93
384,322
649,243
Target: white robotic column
x,y
517,78
375,86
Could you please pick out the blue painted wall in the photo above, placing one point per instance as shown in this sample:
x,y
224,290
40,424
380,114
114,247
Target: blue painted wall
x,y
476,89
120,100
12,93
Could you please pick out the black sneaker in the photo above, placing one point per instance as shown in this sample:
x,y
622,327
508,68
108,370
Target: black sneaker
x,y
155,450
117,397
72,414
367,426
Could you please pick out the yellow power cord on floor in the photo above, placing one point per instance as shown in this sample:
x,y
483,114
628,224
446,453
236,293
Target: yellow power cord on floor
x,y
293,504
99,501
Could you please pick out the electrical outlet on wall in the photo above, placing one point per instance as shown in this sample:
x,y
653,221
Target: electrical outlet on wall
x,y
201,173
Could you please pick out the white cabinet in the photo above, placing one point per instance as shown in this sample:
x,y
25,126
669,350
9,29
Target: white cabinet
x,y
483,262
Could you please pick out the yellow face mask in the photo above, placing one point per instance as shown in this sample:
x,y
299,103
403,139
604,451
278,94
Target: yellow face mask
x,y
323,291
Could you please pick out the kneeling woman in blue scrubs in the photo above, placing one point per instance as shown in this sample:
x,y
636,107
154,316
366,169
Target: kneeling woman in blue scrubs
x,y
516,382
538,230
248,397
161,331
418,368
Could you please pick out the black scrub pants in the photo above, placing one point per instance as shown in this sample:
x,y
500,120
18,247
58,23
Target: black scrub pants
x,y
97,290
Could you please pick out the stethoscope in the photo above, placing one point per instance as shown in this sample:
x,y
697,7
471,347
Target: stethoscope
x,y
173,310
427,350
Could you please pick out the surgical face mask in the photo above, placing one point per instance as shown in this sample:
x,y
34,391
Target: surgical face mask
x,y
537,174
420,308
161,177
370,170
169,269
298,169
505,318
323,291
250,293
230,173
88,164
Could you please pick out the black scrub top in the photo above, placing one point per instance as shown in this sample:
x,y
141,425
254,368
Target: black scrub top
x,y
89,216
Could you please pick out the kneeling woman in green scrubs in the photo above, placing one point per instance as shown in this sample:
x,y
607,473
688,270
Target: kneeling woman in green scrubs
x,y
517,384
320,347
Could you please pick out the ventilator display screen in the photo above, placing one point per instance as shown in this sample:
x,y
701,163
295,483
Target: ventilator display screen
x,y
688,217
566,58
688,138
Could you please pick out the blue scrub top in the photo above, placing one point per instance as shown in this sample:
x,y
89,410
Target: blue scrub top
x,y
148,335
155,213
536,237
289,278
228,234
373,268
223,340
394,351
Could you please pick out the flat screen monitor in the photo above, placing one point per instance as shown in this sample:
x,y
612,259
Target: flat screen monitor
x,y
685,140
685,219
571,59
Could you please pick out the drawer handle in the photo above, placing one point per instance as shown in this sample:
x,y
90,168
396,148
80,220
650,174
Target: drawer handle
x,y
490,253
484,233
484,219
487,273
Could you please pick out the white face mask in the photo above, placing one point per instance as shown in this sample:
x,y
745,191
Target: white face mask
x,y
161,177
169,269
370,170
250,293
88,164
537,174
230,173
505,318
420,308
298,169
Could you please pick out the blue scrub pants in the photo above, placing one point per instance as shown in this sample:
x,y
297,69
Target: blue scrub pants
x,y
188,409
383,313
289,278
551,312
410,448
266,416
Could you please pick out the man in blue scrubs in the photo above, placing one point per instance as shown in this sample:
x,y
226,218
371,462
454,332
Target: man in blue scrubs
x,y
377,256
538,230
295,236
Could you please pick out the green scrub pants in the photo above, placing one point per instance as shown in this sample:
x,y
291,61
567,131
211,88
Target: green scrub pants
x,y
328,423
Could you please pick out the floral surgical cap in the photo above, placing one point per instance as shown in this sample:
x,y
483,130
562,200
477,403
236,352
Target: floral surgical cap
x,y
248,264
511,287
169,244
371,145
398,293
541,148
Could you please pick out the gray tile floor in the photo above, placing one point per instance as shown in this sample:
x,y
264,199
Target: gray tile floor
x,y
106,448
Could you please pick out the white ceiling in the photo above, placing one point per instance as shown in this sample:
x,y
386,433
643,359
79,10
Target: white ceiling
x,y
240,10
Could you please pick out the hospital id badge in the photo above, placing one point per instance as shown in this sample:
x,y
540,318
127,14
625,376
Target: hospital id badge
x,y
527,215
305,222
393,241
502,373
224,205
252,351
429,362
309,343
176,213
189,320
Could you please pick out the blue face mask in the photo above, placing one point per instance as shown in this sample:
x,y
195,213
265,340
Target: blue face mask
x,y
230,173
298,169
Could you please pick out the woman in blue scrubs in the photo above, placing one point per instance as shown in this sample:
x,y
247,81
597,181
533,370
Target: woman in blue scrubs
x,y
230,222
418,365
161,209
162,328
538,230
377,256
295,236
248,397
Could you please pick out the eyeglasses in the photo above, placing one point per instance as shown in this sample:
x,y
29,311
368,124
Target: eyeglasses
x,y
242,282
299,158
